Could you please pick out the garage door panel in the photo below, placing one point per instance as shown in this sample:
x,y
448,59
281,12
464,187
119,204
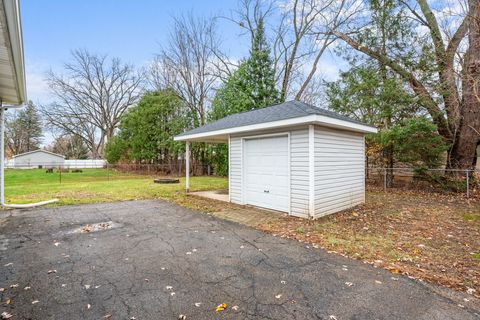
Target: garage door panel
x,y
266,172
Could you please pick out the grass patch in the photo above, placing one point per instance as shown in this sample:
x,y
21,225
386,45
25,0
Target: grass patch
x,y
300,230
476,256
98,185
471,217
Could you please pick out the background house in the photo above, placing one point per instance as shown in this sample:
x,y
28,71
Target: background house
x,y
36,159
46,159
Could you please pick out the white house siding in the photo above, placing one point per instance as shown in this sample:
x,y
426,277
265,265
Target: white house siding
x,y
339,170
235,170
299,173
299,168
36,159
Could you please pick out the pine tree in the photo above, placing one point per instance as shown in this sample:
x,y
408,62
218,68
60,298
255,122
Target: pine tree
x,y
24,130
252,85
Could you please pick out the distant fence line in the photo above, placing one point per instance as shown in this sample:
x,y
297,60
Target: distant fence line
x,y
66,164
435,179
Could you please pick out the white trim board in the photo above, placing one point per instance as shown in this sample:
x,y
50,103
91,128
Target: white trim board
x,y
311,119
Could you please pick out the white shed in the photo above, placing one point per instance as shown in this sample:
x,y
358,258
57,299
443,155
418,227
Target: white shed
x,y
38,159
291,157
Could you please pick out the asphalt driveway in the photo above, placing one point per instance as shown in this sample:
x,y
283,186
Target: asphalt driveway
x,y
156,260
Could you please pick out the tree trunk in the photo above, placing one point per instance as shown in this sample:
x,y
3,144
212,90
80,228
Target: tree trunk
x,y
463,152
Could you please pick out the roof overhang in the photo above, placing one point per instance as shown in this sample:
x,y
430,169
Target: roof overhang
x,y
222,135
12,65
37,151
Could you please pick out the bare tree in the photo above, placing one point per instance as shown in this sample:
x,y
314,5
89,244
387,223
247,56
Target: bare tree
x,y
189,64
91,96
450,98
300,38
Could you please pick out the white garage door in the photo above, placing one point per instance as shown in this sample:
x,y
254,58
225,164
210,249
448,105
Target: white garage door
x,y
266,173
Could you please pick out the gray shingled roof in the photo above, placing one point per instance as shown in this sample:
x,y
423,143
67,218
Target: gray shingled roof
x,y
282,111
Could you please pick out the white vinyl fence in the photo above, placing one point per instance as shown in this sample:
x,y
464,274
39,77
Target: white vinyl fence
x,y
85,164
66,164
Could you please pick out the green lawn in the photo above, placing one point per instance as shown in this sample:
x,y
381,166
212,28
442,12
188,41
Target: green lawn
x,y
96,185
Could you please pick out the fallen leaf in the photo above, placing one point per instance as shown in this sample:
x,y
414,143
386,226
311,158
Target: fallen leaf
x,y
86,228
393,269
64,284
221,307
182,317
146,280
88,306
378,282
241,247
52,271
87,286
194,250
235,308
198,304
8,301
8,264
2,289
6,315
14,285
35,301
57,244
189,252
332,317
278,296
172,293
283,282
349,283
107,316
26,288
169,287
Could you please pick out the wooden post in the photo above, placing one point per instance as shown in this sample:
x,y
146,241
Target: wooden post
x,y
468,184
385,180
187,166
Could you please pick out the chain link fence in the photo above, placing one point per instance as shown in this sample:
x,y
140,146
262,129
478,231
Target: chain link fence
x,y
462,182
52,172
433,180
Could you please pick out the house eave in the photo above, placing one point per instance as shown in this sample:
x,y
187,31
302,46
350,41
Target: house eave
x,y
222,135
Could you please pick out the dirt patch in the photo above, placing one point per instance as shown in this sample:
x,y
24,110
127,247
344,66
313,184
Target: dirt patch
x,y
429,236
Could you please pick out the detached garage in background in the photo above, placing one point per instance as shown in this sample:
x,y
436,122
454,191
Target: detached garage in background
x,y
37,159
291,157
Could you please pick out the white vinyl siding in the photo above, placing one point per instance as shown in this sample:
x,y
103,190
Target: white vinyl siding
x,y
235,174
299,173
339,170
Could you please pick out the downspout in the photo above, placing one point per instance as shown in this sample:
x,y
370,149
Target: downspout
x,y
2,169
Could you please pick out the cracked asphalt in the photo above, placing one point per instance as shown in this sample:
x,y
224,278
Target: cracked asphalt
x,y
160,261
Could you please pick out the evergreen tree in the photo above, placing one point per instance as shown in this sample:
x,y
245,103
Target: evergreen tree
x,y
147,130
251,86
24,130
